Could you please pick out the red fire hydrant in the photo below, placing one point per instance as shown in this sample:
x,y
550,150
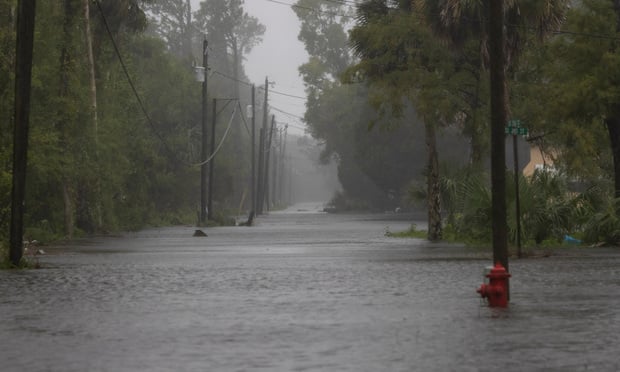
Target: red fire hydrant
x,y
496,291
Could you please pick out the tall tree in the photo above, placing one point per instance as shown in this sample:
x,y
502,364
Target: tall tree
x,y
232,33
580,71
402,60
459,21
323,32
371,172
172,22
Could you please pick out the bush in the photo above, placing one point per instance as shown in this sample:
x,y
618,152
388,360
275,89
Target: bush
x,y
548,208
603,227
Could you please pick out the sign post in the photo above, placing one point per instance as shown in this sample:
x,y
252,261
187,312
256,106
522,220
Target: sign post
x,y
514,128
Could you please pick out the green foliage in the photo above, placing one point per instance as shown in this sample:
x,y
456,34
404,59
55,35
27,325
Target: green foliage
x,y
232,32
467,200
373,153
603,227
126,170
5,207
413,232
550,210
576,72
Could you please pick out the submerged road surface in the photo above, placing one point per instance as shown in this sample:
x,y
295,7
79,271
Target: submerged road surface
x,y
304,291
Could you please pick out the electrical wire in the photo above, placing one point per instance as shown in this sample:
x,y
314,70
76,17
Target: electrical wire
x,y
219,146
132,85
245,122
143,108
250,84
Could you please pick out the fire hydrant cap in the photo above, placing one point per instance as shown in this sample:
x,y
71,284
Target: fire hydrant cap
x,y
498,271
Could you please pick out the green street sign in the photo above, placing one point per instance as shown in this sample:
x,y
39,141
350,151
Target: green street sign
x,y
516,131
514,123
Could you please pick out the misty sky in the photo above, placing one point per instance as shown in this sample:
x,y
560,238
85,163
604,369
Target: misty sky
x,y
278,57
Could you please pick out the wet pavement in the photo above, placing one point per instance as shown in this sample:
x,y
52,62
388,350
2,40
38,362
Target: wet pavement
x,y
304,291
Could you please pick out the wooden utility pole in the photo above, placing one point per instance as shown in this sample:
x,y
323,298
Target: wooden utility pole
x,y
517,169
267,153
499,118
259,185
212,161
253,178
282,169
260,198
23,76
204,153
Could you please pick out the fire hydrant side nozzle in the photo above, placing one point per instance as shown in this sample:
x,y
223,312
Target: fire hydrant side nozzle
x,y
496,292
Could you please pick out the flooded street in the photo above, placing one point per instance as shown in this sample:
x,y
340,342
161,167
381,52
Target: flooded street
x,y
304,291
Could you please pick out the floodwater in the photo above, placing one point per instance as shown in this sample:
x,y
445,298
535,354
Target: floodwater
x,y
304,291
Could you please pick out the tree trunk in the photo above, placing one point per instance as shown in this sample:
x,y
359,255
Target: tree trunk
x,y
433,186
498,122
93,110
65,63
187,32
68,211
613,128
613,125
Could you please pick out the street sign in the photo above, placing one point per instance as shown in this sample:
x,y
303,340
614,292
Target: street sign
x,y
514,128
516,131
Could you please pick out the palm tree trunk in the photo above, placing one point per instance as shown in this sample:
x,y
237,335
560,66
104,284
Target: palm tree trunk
x,y
613,128
68,211
64,66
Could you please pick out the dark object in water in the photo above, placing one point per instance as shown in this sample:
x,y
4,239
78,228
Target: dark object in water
x,y
199,233
250,220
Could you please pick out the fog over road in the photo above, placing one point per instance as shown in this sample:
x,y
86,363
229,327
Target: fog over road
x,y
304,291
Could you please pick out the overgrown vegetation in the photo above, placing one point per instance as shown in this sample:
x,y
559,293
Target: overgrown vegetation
x,y
416,76
105,158
554,210
422,68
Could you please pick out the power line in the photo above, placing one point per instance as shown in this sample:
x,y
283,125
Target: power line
x,y
300,119
133,87
217,149
143,108
287,94
250,84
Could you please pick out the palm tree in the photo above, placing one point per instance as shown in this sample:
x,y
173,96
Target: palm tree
x,y
400,58
502,40
458,21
